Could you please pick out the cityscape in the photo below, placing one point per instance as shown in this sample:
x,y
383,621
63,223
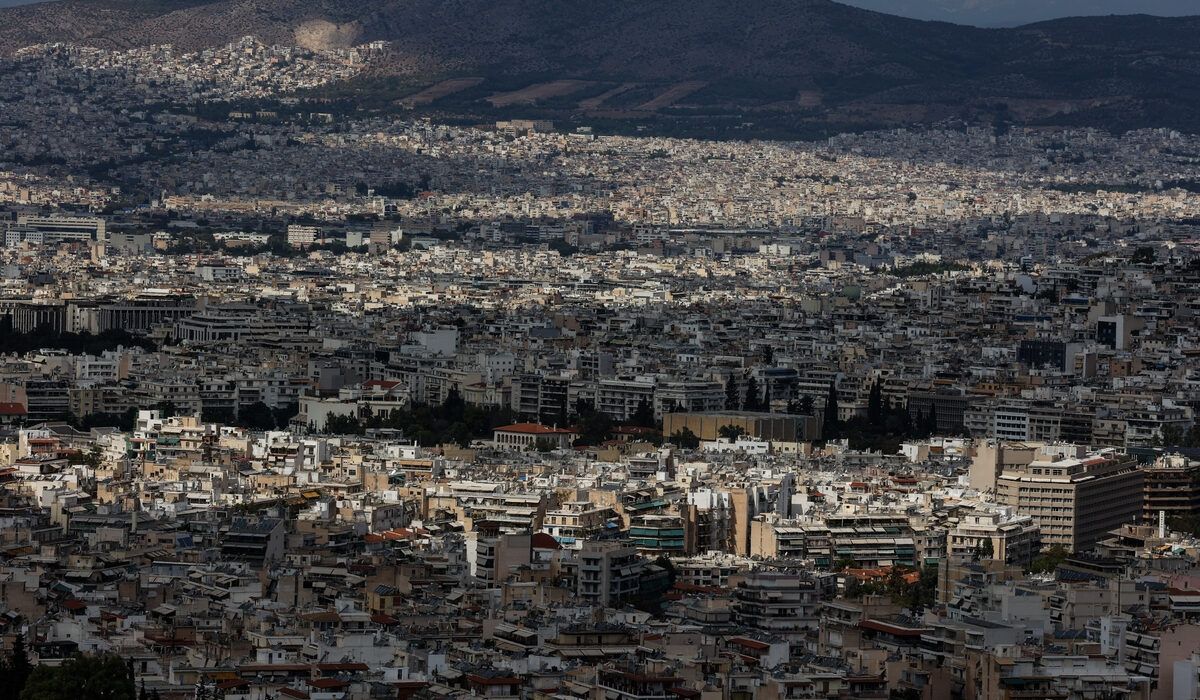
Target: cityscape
x,y
300,399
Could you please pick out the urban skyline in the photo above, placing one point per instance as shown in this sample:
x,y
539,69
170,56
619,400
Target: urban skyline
x,y
305,399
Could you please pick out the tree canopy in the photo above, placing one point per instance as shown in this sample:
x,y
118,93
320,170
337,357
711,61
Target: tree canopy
x,y
91,677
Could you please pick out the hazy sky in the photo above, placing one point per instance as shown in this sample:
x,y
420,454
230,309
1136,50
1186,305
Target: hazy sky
x,y
1000,13
995,13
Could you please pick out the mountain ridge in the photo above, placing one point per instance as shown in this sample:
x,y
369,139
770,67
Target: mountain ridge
x,y
808,58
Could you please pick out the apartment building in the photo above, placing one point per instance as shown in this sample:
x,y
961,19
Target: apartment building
x,y
608,570
1074,500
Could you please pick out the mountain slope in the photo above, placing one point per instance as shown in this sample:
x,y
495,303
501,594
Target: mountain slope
x,y
790,55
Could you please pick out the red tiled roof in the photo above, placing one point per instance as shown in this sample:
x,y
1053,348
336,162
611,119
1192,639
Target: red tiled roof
x,y
12,409
895,630
532,429
542,540
354,666
750,643
226,685
499,680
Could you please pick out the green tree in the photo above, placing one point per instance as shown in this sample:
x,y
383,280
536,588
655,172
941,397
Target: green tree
x,y
1049,560
733,398
685,439
257,416
922,594
1187,524
731,432
1169,436
875,405
643,416
90,677
594,427
543,445
751,401
830,425
14,670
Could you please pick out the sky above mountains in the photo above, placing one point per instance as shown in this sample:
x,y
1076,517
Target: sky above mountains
x,y
1010,13
993,13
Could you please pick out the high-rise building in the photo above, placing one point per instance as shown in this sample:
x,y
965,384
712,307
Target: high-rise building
x,y
299,236
1172,487
1074,500
608,571
59,229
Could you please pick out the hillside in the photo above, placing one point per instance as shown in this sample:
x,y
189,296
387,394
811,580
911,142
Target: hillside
x,y
692,59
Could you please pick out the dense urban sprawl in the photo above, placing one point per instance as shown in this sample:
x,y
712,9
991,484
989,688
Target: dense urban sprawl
x,y
322,406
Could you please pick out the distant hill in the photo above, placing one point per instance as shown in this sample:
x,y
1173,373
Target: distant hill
x,y
767,61
1012,13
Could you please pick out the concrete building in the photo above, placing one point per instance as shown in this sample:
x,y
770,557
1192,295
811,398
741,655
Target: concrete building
x,y
607,571
766,426
526,435
1075,501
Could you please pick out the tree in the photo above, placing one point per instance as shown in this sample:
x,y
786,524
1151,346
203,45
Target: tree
x,y
765,404
543,445
15,670
91,677
733,398
453,408
751,402
1142,256
731,432
985,550
1049,560
921,594
875,405
643,416
1169,436
685,439
830,426
768,355
257,416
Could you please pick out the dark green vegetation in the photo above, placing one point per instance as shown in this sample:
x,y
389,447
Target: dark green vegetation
x,y
1048,561
762,68
76,343
14,670
454,421
90,677
914,596
885,426
1188,524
